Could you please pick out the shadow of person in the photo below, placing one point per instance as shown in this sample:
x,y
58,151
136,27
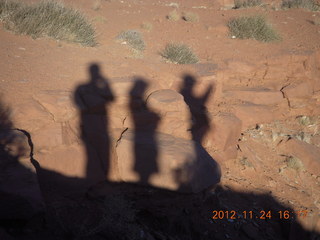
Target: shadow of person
x,y
145,124
200,125
200,121
92,99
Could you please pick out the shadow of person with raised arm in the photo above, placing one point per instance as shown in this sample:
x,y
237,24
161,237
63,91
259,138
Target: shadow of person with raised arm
x,y
200,121
92,100
199,126
145,124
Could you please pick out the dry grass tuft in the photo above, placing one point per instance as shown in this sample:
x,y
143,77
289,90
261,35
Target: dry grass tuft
x,y
246,3
306,4
179,53
147,26
173,16
254,27
294,163
133,38
47,19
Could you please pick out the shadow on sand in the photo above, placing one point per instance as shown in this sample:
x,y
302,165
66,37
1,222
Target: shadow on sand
x,y
124,210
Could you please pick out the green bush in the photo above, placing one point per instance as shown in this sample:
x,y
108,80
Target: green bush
x,y
133,38
47,18
246,3
254,27
307,4
179,53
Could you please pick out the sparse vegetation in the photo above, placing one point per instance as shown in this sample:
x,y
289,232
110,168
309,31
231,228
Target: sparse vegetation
x,y
294,163
246,3
190,17
245,162
173,16
147,26
133,38
47,18
307,4
254,27
304,120
179,53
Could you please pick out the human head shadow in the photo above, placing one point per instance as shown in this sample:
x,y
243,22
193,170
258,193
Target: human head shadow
x,y
145,122
200,121
92,100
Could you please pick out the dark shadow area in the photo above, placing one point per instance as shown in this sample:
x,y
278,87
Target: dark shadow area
x,y
145,124
20,197
124,211
92,100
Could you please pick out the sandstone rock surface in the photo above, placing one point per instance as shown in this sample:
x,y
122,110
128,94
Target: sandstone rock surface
x,y
173,111
223,135
168,162
58,103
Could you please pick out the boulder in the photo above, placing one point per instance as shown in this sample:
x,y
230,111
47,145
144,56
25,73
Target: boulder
x,y
165,161
225,130
173,112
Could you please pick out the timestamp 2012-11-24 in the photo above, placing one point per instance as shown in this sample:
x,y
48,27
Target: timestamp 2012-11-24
x,y
263,214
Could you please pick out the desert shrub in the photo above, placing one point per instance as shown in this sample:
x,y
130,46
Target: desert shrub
x,y
294,163
48,18
246,3
133,38
190,17
179,53
7,8
307,4
147,26
173,16
254,27
245,162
